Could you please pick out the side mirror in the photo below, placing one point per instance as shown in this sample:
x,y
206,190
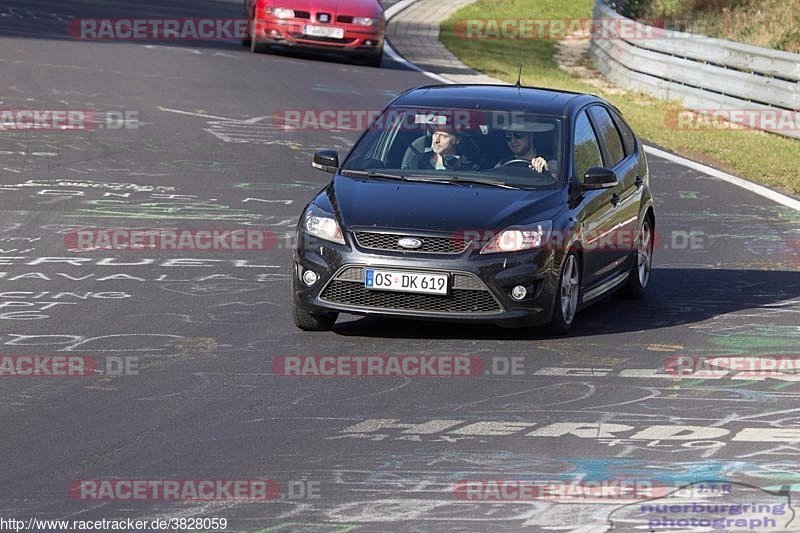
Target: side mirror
x,y
599,178
326,160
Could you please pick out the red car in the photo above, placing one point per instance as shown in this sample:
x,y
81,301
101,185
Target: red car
x,y
352,27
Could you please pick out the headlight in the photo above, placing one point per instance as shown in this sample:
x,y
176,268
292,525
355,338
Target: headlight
x,y
280,12
364,21
519,238
323,225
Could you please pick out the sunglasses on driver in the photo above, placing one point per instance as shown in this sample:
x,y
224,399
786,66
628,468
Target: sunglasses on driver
x,y
516,135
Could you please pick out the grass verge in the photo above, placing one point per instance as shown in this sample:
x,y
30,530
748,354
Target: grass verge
x,y
766,23
761,157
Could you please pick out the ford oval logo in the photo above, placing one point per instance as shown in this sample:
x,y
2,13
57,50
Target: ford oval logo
x,y
409,243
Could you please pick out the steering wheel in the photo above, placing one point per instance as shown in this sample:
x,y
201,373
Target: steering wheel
x,y
517,162
520,162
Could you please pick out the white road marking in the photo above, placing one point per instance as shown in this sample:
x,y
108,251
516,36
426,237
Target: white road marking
x,y
195,114
391,12
755,188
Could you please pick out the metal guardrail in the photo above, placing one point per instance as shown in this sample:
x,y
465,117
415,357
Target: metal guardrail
x,y
704,73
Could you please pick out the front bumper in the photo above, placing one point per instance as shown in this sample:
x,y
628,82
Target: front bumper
x,y
361,41
480,285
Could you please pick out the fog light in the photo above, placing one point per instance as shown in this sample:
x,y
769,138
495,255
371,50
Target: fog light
x,y
310,277
519,292
369,43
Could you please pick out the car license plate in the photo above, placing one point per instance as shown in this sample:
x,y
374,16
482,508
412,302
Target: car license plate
x,y
392,280
323,31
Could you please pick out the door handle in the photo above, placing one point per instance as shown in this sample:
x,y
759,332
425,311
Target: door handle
x,y
639,182
615,199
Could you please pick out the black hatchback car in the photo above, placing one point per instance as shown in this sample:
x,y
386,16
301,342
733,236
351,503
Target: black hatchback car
x,y
512,205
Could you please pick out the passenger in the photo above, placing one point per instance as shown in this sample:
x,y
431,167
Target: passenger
x,y
443,154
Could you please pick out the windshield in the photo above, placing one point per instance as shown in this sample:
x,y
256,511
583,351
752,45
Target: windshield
x,y
515,149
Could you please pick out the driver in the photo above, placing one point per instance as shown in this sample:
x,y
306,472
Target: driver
x,y
520,140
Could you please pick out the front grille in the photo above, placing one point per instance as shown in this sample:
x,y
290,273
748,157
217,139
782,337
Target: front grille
x,y
325,18
302,14
430,245
344,19
468,294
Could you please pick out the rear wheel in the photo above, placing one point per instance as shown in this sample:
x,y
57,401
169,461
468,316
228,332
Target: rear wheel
x,y
642,262
567,295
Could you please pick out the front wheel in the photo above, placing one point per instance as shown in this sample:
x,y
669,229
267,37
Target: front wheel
x,y
313,322
255,47
375,60
567,295
642,263
309,321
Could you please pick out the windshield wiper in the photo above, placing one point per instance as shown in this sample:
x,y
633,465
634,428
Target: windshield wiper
x,y
372,174
493,183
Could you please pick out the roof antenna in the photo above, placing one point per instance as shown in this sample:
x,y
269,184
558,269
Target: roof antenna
x,y
521,55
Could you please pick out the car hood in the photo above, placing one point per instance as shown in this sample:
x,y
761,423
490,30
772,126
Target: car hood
x,y
356,8
364,203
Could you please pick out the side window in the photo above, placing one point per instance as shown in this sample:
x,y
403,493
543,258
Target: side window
x,y
587,151
609,135
628,138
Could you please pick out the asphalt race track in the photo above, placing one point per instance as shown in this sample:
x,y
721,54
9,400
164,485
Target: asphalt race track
x,y
199,331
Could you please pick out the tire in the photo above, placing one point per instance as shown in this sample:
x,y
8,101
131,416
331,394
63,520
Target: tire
x,y
568,290
312,322
247,40
374,60
642,265
255,46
